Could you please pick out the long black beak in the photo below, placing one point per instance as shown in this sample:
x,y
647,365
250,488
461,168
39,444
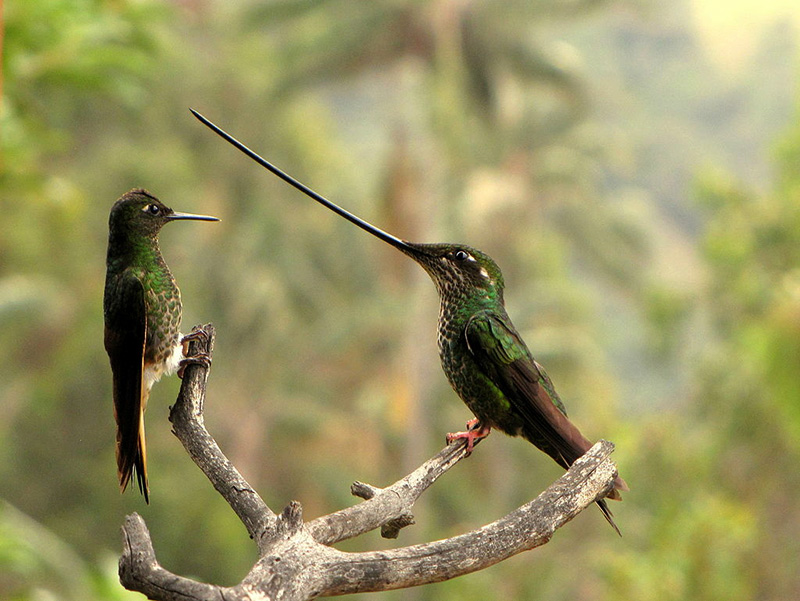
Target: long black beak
x,y
176,216
385,236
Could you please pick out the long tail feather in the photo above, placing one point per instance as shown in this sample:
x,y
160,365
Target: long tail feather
x,y
141,463
132,457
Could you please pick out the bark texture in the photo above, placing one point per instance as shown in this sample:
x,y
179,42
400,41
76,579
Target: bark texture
x,y
296,560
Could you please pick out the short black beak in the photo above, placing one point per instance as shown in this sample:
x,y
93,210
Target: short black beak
x,y
377,232
175,216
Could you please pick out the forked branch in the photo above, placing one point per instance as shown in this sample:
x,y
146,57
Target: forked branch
x,y
296,560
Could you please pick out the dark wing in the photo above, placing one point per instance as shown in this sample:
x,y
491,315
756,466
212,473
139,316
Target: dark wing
x,y
506,361
125,332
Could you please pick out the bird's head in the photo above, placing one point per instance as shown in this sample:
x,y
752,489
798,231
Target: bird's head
x,y
457,270
139,213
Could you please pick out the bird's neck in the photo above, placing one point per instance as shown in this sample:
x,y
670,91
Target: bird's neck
x,y
135,251
462,303
456,310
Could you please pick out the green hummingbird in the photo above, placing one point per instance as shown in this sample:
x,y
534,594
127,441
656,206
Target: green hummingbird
x,y
483,356
142,312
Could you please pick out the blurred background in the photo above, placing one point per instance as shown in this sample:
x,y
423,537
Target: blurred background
x,y
631,165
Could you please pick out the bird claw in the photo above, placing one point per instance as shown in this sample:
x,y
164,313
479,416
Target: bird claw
x,y
474,433
203,359
196,334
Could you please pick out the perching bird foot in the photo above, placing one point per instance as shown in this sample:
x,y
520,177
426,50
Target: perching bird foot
x,y
474,433
202,358
196,334
199,359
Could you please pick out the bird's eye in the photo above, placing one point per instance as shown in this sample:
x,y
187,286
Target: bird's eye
x,y
152,209
461,255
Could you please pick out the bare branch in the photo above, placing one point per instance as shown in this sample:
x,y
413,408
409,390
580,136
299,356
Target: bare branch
x,y
384,505
189,426
296,560
590,478
139,570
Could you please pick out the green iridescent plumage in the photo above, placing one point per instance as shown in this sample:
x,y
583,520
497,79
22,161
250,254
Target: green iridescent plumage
x,y
142,313
486,361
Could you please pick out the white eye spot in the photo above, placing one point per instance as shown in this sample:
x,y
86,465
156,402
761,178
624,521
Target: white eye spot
x,y
152,209
484,274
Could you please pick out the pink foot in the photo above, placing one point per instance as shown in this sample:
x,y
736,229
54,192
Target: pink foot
x,y
474,433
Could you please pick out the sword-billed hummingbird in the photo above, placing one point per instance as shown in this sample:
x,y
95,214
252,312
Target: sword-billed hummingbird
x,y
482,354
142,311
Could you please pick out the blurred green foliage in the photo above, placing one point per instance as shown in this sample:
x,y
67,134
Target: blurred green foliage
x,y
587,146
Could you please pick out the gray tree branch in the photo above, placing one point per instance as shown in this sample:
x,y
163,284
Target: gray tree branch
x,y
188,424
296,560
388,508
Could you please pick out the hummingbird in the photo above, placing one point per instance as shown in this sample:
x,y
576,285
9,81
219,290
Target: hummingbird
x,y
483,356
142,313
